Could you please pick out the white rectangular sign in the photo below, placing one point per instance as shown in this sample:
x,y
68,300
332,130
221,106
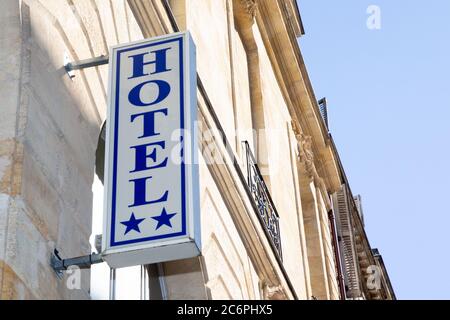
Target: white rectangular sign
x,y
151,182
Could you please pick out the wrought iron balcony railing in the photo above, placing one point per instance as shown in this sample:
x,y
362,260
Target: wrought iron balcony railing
x,y
267,213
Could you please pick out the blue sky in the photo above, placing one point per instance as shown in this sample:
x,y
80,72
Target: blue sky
x,y
389,104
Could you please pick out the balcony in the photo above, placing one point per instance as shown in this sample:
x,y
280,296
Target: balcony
x,y
267,213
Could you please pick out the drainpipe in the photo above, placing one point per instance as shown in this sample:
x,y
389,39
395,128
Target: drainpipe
x,y
337,256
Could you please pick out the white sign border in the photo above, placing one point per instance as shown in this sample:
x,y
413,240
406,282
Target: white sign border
x,y
191,233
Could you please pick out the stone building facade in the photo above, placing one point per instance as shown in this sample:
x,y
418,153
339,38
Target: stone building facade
x,y
270,226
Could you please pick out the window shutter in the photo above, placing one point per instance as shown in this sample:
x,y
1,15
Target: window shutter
x,y
347,246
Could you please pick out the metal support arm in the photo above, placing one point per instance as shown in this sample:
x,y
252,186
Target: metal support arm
x,y
88,63
81,64
83,262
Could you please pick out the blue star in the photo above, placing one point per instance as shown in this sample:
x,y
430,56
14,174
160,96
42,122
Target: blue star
x,y
164,219
132,224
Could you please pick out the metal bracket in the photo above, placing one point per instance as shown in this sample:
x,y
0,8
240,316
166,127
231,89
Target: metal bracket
x,y
87,63
59,265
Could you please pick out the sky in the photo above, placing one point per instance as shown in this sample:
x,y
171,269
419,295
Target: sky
x,y
388,97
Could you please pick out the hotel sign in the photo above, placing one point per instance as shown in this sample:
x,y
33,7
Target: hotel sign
x,y
151,181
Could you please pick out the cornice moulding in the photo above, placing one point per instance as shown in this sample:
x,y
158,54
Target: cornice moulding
x,y
281,43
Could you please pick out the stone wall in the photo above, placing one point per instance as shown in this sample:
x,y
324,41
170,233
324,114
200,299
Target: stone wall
x,y
48,135
226,77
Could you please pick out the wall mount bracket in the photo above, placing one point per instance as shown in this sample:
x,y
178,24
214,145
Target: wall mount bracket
x,y
59,265
81,64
